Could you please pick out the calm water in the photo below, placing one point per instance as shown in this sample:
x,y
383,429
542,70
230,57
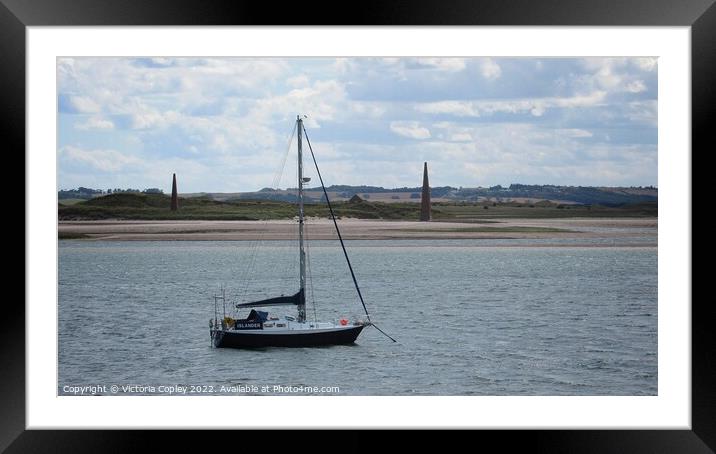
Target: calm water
x,y
470,320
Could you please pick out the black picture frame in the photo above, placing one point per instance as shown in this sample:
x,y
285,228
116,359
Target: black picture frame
x,y
700,15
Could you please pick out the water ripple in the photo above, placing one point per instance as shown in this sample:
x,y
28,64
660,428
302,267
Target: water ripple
x,y
469,320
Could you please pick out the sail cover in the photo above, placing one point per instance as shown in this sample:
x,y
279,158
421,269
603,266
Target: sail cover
x,y
257,316
297,299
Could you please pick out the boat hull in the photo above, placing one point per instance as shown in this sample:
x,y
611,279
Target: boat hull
x,y
298,338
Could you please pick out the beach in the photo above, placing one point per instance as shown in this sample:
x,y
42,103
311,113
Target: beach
x,y
618,229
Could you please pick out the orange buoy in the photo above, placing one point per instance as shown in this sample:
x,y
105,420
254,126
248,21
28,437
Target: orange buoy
x,y
344,321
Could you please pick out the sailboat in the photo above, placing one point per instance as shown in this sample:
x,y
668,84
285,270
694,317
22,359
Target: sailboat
x,y
259,329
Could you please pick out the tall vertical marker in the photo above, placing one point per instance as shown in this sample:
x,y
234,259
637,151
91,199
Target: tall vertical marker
x,y
425,199
175,198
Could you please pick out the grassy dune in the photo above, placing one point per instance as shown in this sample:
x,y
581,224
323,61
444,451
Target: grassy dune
x,y
467,212
134,206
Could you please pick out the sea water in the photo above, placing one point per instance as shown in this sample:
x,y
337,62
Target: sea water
x,y
471,317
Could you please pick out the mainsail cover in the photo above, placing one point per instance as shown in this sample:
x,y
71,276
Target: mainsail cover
x,y
297,299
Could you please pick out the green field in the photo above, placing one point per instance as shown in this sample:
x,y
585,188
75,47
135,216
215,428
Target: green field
x,y
70,201
139,206
467,212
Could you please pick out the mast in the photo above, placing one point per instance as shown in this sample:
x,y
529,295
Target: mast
x,y
302,253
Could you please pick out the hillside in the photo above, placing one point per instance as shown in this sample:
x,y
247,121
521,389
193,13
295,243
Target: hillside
x,y
607,196
141,206
520,193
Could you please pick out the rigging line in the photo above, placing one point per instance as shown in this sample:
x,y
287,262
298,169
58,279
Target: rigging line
x,y
287,275
384,333
259,240
253,250
310,274
345,253
340,238
287,272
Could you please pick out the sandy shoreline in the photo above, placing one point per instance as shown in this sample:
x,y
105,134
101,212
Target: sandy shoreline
x,y
618,229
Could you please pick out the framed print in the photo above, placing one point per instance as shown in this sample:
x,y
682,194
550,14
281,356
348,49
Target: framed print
x,y
579,323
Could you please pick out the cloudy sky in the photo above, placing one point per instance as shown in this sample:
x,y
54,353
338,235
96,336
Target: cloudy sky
x,y
222,124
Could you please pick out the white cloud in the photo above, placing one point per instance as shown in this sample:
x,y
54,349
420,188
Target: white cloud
x,y
574,133
84,104
592,99
233,116
370,109
104,160
489,69
538,110
453,132
95,123
536,106
504,153
219,142
646,63
599,63
298,81
457,108
607,78
644,112
162,61
343,65
460,137
153,119
410,129
507,142
223,134
325,100
636,86
121,85
616,74
443,64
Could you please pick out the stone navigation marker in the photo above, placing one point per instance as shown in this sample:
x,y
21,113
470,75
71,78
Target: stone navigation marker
x,y
175,199
425,199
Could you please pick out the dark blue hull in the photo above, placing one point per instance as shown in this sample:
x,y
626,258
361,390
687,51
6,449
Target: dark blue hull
x,y
243,339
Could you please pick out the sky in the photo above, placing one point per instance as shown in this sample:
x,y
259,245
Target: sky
x,y
223,124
